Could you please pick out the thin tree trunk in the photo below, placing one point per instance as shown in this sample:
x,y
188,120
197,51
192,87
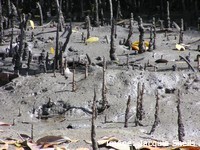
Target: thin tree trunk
x,y
161,10
87,25
1,25
101,12
8,13
67,38
20,50
41,14
97,13
183,5
11,40
111,12
119,13
181,32
82,14
57,48
130,31
60,15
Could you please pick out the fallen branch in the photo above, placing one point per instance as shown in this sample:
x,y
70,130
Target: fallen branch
x,y
181,57
176,26
194,41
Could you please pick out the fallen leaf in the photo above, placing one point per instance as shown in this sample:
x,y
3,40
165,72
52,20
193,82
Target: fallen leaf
x,y
32,24
103,140
180,47
19,148
9,142
18,144
52,51
135,45
118,145
49,141
32,146
154,148
5,124
92,40
4,147
186,148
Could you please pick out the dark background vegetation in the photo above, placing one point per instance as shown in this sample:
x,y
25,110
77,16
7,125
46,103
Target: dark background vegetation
x,y
76,9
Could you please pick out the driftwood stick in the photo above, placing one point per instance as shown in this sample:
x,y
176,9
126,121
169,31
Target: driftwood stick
x,y
181,57
176,26
193,42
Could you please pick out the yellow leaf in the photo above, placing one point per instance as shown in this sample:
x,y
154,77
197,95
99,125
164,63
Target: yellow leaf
x,y
135,45
92,40
32,24
74,31
17,144
52,51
